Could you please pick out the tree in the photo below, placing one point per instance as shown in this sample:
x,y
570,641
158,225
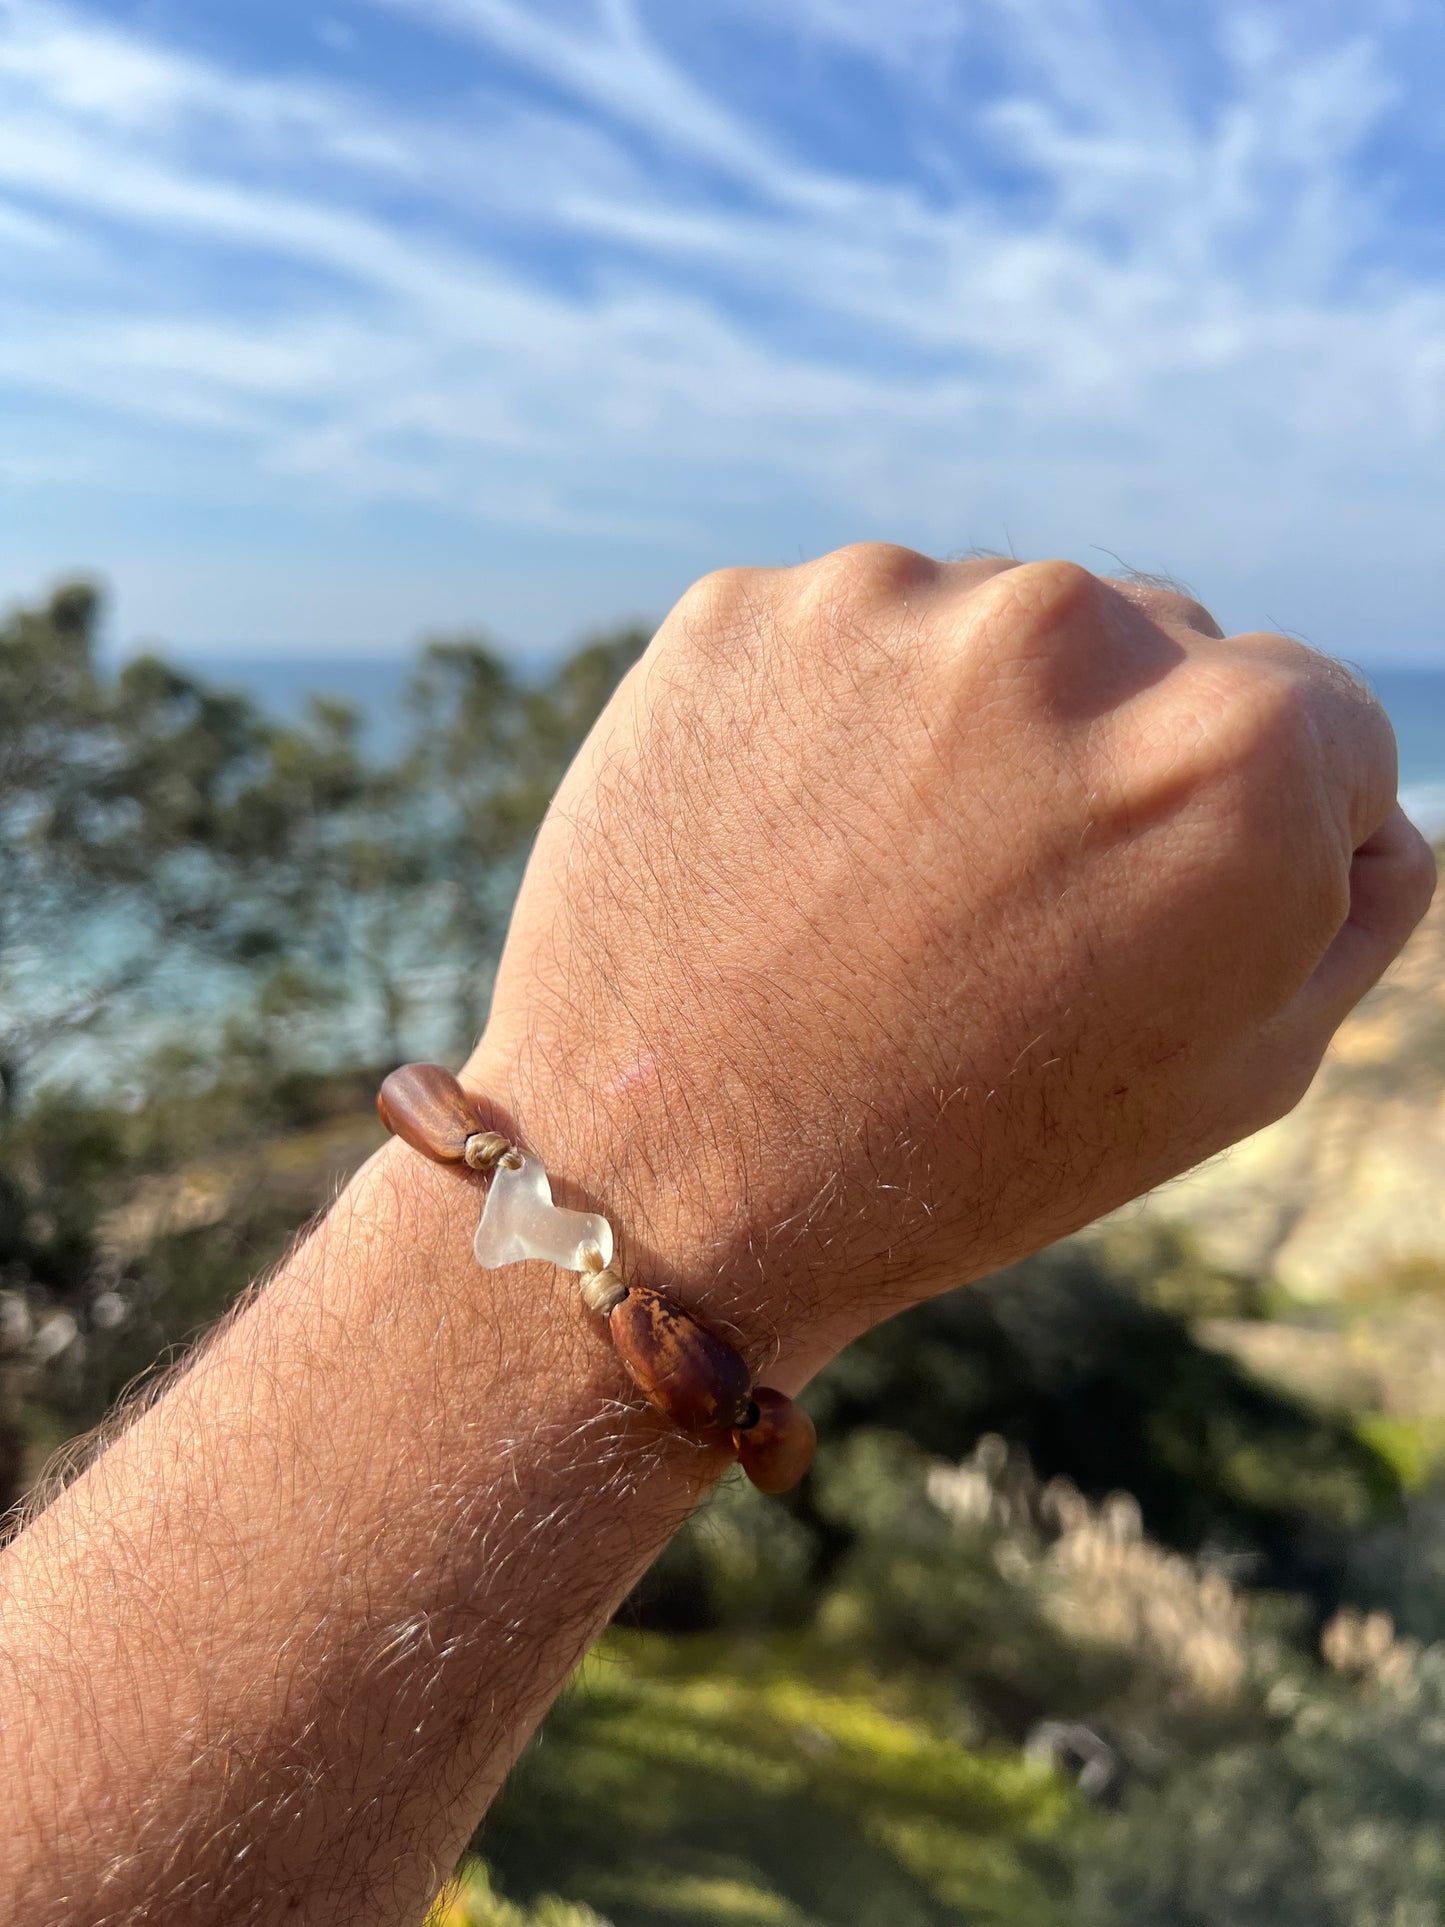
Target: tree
x,y
487,753
115,795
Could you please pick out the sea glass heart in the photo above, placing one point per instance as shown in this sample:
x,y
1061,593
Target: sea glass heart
x,y
519,1220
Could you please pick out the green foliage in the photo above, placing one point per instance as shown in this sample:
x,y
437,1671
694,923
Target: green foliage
x,y
1336,1820
471,1901
487,754
1065,1360
841,1770
724,1789
98,784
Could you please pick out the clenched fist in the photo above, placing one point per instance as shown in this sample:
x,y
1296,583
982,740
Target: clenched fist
x,y
899,917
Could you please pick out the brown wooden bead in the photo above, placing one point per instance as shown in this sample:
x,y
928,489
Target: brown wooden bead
x,y
427,1108
681,1367
777,1451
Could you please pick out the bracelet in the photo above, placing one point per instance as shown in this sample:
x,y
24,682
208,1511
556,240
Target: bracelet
x,y
681,1367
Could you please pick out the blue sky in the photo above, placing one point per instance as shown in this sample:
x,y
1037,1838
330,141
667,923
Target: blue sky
x,y
323,326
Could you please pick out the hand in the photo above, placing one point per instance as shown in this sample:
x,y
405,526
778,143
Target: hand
x,y
899,917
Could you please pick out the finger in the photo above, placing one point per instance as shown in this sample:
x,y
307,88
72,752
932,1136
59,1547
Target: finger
x,y
1392,879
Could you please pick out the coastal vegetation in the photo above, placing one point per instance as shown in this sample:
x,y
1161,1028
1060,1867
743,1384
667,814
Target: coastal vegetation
x,y
1114,1595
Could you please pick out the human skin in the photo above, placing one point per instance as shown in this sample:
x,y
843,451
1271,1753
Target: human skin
x,y
896,919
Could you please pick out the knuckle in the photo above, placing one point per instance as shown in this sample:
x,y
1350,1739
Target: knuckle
x,y
1260,758
720,616
1170,608
1268,715
865,575
1249,719
1048,594
1331,705
1281,834
1033,614
1229,747
1040,637
721,593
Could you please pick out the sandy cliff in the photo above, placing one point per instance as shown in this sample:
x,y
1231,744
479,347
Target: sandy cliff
x,y
1347,1194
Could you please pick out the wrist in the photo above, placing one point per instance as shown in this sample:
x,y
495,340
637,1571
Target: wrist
x,y
509,1352
681,1364
689,1216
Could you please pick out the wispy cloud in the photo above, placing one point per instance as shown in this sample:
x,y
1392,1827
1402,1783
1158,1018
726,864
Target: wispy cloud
x,y
735,279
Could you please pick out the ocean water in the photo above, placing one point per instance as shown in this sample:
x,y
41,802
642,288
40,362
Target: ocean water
x,y
1414,698
376,685
1415,702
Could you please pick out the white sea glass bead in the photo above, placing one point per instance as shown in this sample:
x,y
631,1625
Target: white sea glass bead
x,y
519,1220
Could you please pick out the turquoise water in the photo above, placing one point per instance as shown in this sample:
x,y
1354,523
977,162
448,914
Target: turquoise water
x,y
1415,699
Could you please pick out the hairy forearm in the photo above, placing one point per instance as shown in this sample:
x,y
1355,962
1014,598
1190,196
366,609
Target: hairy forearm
x,y
280,1643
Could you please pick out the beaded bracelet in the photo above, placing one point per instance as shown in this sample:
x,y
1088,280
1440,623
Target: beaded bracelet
x,y
681,1367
